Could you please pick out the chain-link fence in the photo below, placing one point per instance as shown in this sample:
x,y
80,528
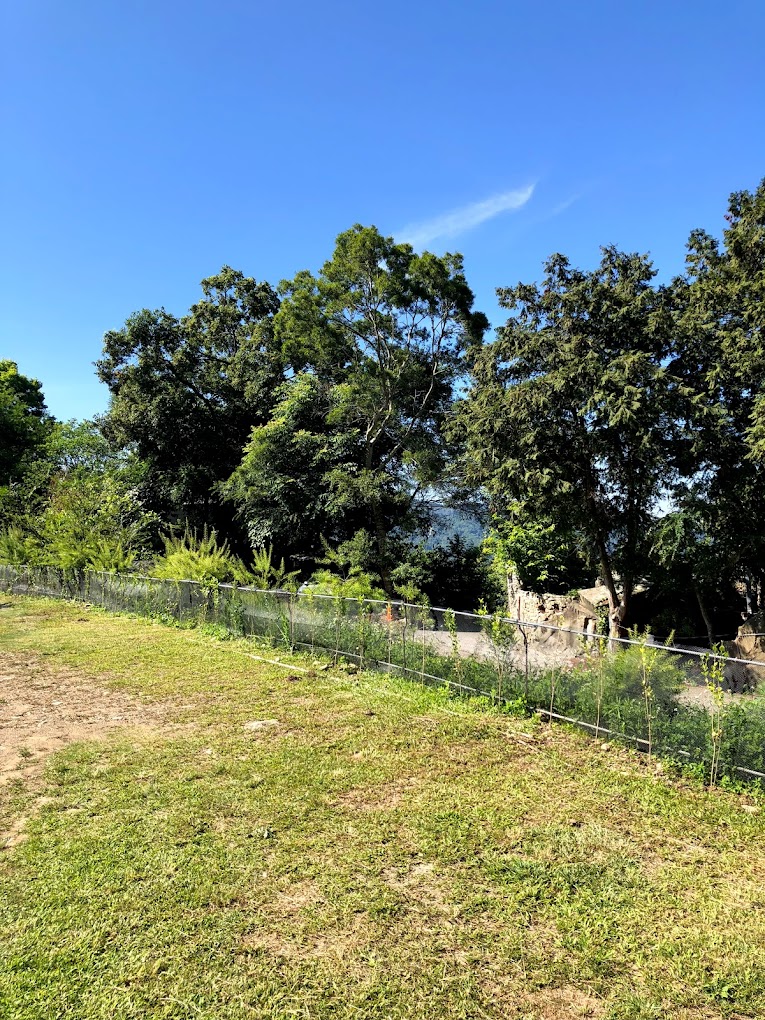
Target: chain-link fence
x,y
681,703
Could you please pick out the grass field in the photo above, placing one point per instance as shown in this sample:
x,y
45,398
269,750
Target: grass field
x,y
258,841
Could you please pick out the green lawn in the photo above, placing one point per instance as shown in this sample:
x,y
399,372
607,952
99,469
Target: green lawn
x,y
379,851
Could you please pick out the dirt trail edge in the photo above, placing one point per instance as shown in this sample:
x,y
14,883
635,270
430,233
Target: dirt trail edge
x,y
44,708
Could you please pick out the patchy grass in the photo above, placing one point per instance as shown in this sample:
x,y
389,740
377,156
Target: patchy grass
x,y
369,849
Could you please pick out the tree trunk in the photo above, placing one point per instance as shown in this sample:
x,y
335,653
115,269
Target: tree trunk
x,y
705,615
617,607
381,537
513,587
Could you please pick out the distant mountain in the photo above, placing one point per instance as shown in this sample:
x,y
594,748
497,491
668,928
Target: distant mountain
x,y
449,523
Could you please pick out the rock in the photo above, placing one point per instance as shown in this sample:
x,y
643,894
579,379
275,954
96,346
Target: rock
x,y
260,724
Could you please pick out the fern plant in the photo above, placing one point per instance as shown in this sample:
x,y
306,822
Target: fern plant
x,y
191,557
111,556
17,547
265,574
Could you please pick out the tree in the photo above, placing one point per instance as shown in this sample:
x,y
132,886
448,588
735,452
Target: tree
x,y
24,431
186,392
726,307
528,553
281,487
721,355
24,424
686,547
375,343
80,446
575,414
454,575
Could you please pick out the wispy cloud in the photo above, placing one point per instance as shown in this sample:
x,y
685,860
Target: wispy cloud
x,y
467,216
562,206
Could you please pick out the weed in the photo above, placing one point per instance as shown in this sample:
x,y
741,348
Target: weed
x,y
713,671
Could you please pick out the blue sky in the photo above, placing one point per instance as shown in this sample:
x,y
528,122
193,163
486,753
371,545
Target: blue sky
x,y
149,143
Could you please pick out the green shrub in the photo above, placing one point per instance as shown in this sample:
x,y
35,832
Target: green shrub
x,y
265,574
358,584
612,678
111,556
190,557
17,547
94,521
346,572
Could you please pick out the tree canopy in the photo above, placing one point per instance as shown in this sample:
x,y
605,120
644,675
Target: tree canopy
x,y
24,424
612,428
187,391
721,356
25,428
574,411
375,344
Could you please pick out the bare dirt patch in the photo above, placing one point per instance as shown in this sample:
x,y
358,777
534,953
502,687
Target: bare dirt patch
x,y
419,887
560,1003
42,709
385,797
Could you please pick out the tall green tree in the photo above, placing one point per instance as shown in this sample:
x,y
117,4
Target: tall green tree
x,y
185,393
721,356
25,428
575,414
726,310
281,487
377,339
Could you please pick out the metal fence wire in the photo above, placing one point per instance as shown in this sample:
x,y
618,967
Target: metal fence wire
x,y
682,703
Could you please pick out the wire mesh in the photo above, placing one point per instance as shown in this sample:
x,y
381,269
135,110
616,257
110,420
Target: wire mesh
x,y
682,703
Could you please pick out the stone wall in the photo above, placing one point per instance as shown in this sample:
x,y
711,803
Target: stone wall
x,y
578,613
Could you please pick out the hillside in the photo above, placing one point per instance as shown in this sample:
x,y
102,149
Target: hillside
x,y
192,831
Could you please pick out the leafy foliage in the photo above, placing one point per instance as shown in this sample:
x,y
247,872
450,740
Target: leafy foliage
x,y
280,487
456,575
537,556
346,572
18,547
24,430
95,521
722,358
194,557
186,392
375,345
265,573
574,412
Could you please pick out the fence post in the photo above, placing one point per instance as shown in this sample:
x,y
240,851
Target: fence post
x,y
525,637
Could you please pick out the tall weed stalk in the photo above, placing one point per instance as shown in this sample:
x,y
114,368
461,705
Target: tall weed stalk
x,y
713,671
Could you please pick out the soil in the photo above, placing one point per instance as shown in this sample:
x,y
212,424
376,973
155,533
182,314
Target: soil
x,y
43,708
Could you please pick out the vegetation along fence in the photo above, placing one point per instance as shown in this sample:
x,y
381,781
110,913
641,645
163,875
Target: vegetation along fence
x,y
696,707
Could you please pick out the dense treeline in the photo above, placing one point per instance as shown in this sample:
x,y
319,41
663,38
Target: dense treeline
x,y
613,428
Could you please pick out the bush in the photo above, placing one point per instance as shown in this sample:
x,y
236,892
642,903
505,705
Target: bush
x,y
346,572
94,521
194,558
18,548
